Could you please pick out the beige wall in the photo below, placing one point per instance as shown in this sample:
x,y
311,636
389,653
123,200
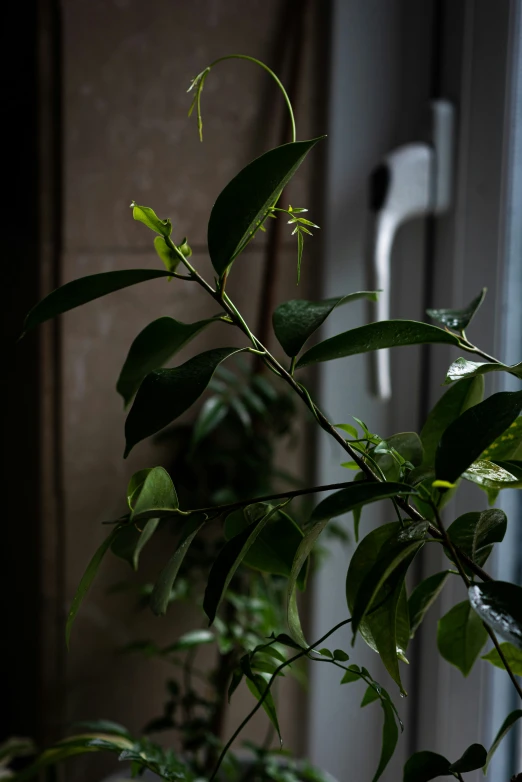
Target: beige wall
x,y
127,66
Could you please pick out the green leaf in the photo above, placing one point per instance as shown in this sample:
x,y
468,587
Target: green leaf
x,y
156,493
473,431
499,604
374,336
473,758
166,393
213,411
246,201
74,294
135,486
353,674
512,655
409,445
296,320
130,542
191,640
424,766
463,368
450,406
476,533
390,736
300,246
423,597
103,726
168,256
147,216
508,723
159,599
355,494
508,445
86,581
370,696
340,655
494,475
229,559
152,348
458,320
460,636
301,556
275,548
257,684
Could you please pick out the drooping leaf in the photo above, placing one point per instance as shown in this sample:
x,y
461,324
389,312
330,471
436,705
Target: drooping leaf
x,y
375,336
86,581
423,597
499,604
169,257
257,684
425,766
301,556
473,758
147,216
369,696
506,726
166,393
458,320
229,559
390,736
450,406
74,745
129,544
212,413
494,476
159,599
74,294
152,348
464,368
512,655
246,201
460,636
355,494
476,533
296,320
473,431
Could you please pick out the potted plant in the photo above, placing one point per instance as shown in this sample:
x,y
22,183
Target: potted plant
x,y
465,438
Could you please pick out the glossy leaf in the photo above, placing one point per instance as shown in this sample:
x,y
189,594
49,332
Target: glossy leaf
x,y
499,604
473,431
156,493
229,559
166,393
74,294
458,320
506,726
390,736
355,494
425,766
168,256
147,216
494,475
296,320
159,599
423,597
375,336
450,406
464,368
246,201
508,445
512,655
476,533
460,636
212,413
86,581
473,758
152,348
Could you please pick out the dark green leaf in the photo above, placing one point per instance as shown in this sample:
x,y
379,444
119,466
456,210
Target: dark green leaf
x,y
374,336
152,348
213,411
148,217
460,636
191,640
458,320
135,486
508,445
296,320
129,544
74,294
499,604
424,766
409,445
103,726
86,581
166,393
257,684
390,736
353,674
450,406
370,696
463,368
237,677
473,431
159,599
246,201
340,655
285,639
229,559
156,493
301,556
512,655
356,494
473,758
476,533
423,597
508,723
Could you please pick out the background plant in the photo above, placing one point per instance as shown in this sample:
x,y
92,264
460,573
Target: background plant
x,y
465,437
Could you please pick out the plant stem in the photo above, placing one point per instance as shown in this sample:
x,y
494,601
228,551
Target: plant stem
x,y
502,656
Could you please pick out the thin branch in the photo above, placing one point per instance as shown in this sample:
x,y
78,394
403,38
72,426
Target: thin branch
x,y
502,656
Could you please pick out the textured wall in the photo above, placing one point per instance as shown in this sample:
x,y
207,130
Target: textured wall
x,y
127,67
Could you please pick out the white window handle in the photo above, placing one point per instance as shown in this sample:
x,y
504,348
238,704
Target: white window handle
x,y
412,181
